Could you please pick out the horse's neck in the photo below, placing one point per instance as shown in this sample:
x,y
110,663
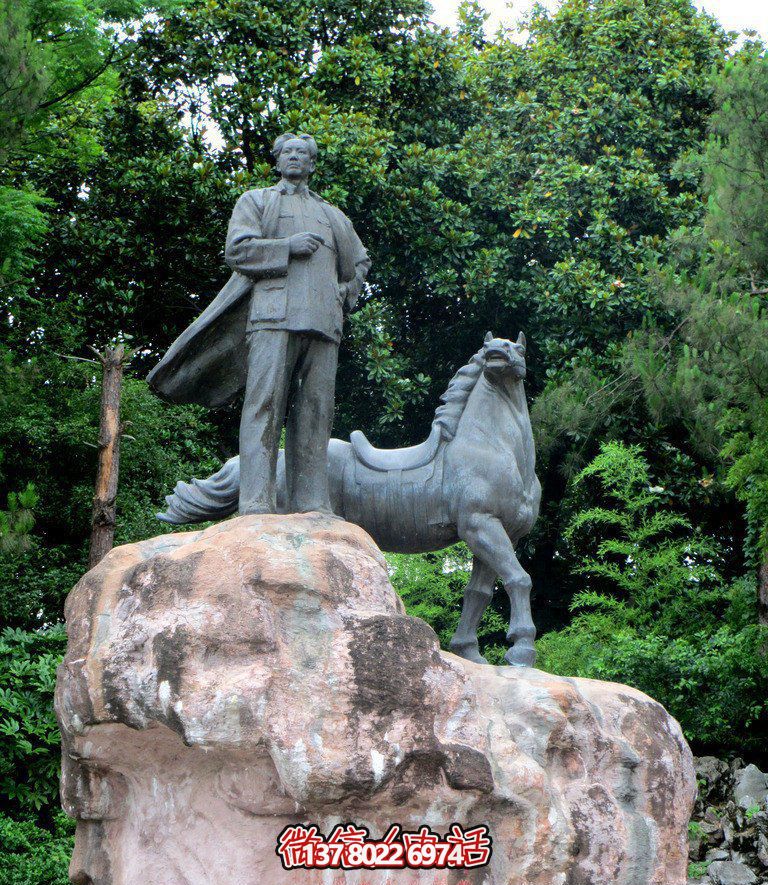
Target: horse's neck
x,y
500,412
516,394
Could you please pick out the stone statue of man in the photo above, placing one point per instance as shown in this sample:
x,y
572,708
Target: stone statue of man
x,y
274,329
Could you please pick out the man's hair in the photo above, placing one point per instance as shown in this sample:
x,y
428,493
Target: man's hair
x,y
277,147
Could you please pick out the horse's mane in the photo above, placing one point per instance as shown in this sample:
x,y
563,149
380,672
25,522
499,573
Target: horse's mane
x,y
455,397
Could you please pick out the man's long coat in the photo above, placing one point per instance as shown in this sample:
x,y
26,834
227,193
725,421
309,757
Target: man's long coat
x,y
206,364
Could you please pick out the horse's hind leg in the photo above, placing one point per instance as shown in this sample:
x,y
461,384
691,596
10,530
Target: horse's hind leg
x,y
486,537
477,595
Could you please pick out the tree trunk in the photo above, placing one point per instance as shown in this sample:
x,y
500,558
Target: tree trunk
x,y
103,521
762,592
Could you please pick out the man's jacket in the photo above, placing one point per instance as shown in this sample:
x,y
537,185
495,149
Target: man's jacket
x,y
207,362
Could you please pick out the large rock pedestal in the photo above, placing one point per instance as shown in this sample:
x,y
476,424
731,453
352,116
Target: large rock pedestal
x,y
220,685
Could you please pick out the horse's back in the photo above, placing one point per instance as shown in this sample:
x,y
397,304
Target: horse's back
x,y
402,510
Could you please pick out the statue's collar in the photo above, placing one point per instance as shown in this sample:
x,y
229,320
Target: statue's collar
x,y
300,189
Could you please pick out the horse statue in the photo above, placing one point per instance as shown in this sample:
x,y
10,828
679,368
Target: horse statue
x,y
473,479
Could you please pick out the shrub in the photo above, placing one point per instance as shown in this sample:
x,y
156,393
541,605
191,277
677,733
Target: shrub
x,y
655,613
31,855
29,735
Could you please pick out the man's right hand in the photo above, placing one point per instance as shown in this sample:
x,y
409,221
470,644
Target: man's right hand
x,y
304,245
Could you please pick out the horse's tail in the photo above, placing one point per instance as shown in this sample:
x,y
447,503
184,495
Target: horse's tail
x,y
205,499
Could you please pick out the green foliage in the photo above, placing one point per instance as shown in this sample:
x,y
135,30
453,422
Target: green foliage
x,y
49,414
57,60
690,383
370,332
29,735
32,855
56,69
711,374
16,522
145,207
748,476
655,613
715,376
22,226
736,160
23,78
639,571
35,580
697,869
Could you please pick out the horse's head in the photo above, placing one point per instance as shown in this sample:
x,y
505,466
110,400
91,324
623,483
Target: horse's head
x,y
503,358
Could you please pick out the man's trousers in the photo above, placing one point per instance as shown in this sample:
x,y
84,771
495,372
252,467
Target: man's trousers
x,y
291,380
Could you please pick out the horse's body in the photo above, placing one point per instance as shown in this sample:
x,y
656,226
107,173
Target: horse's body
x,y
473,480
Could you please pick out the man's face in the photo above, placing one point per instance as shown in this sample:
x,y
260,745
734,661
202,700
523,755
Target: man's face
x,y
295,161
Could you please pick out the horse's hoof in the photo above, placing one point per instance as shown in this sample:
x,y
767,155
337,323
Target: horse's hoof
x,y
470,651
520,656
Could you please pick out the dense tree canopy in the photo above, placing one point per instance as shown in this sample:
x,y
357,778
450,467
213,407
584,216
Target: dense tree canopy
x,y
496,185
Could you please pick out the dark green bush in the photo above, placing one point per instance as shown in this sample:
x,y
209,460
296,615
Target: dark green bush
x,y
712,682
35,835
656,614
31,855
29,735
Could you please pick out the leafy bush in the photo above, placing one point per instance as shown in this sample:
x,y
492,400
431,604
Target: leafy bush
x,y
29,735
31,855
35,581
698,869
655,612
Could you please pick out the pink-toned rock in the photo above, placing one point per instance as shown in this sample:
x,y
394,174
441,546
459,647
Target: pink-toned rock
x,y
223,684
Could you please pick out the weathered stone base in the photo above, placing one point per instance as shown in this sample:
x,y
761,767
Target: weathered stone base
x,y
222,684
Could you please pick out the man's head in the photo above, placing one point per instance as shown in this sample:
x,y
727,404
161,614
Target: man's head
x,y
295,156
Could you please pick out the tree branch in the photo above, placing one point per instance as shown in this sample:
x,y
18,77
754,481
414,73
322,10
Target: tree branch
x,y
80,359
83,84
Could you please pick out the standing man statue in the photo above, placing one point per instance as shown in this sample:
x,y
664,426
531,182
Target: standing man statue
x,y
275,329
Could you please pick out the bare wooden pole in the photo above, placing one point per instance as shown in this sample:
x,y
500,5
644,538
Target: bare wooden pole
x,y
113,360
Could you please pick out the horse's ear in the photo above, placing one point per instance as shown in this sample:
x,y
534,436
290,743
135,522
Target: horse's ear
x,y
488,337
521,340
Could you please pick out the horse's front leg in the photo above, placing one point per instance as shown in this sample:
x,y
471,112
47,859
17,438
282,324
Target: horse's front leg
x,y
477,595
487,539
